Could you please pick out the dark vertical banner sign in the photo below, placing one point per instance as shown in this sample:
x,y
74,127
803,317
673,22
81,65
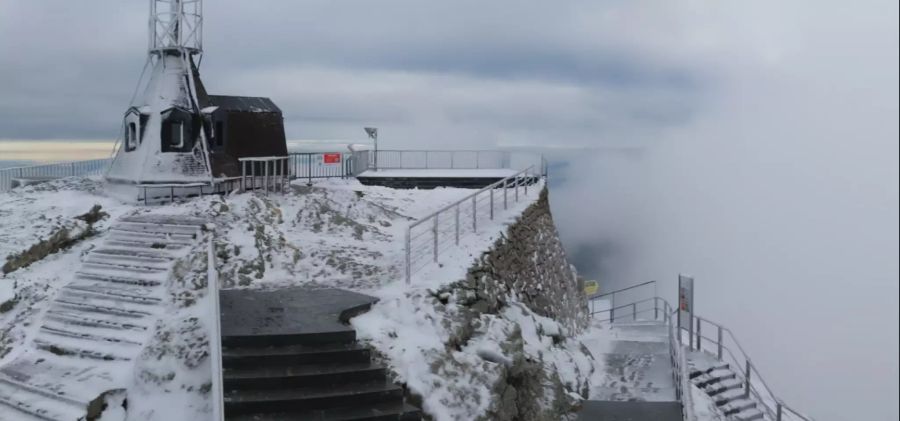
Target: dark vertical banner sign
x,y
685,305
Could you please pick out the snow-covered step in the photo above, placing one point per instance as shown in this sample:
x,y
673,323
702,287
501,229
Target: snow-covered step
x,y
23,404
724,386
102,309
76,351
84,333
154,240
125,263
107,298
150,255
737,406
714,377
134,292
158,228
170,236
729,396
117,278
135,244
749,415
95,321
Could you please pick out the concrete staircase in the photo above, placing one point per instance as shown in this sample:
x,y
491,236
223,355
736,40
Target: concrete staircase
x,y
726,389
98,322
317,376
289,354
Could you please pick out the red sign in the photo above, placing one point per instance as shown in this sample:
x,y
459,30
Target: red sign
x,y
331,158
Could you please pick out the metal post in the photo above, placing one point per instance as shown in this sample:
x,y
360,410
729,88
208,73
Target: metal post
x,y
309,169
434,232
655,308
243,176
612,308
526,182
456,217
747,378
477,159
517,189
492,203
266,177
633,311
172,194
719,343
699,341
504,194
452,154
474,214
778,411
408,269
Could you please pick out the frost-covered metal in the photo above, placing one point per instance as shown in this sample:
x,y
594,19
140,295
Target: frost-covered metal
x,y
176,25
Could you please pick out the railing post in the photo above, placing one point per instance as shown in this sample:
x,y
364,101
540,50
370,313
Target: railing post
x,y
505,206
266,177
655,307
612,309
456,217
434,232
526,182
474,214
517,189
408,263
699,337
243,176
477,160
492,203
719,343
778,411
634,311
747,378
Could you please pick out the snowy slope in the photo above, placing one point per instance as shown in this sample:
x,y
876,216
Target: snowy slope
x,y
336,233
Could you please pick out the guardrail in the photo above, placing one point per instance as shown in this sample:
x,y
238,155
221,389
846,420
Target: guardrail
x,y
8,176
447,160
723,346
426,237
215,341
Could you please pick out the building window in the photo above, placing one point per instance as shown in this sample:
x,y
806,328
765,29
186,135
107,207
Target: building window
x,y
176,140
131,137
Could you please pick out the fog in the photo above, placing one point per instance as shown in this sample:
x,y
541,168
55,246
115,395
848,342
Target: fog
x,y
781,199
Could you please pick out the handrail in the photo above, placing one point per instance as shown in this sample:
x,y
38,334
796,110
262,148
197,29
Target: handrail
x,y
513,182
215,341
623,289
750,372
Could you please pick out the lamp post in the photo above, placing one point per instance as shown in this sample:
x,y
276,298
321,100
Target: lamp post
x,y
373,134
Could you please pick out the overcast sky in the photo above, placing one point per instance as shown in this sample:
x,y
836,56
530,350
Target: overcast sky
x,y
766,135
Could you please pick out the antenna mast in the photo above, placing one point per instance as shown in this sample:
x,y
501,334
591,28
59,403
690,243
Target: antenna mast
x,y
176,25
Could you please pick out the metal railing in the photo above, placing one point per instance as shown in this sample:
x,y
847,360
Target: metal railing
x,y
8,176
447,160
266,173
215,340
724,347
428,236
310,165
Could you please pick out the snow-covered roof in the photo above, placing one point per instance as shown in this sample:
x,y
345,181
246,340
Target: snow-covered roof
x,y
244,103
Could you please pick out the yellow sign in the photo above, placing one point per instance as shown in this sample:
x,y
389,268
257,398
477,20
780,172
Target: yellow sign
x,y
591,287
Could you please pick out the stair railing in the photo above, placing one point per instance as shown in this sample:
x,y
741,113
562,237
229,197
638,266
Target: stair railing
x,y
215,340
726,348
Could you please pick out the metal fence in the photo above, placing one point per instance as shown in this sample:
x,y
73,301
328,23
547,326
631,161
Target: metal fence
x,y
446,160
310,165
12,177
427,237
215,343
640,302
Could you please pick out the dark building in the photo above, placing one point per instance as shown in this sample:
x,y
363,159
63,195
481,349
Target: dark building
x,y
242,127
